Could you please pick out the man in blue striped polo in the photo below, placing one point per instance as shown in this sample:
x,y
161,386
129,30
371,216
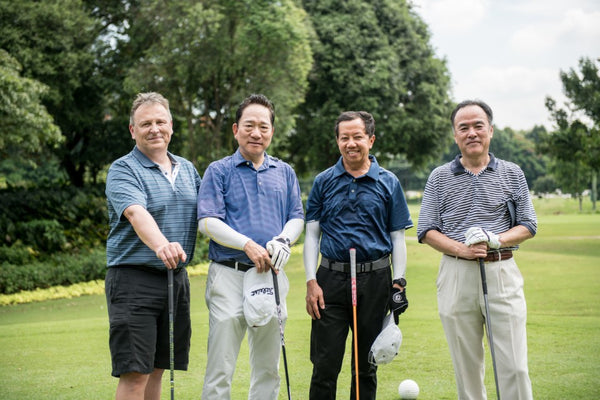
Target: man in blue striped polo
x,y
249,205
152,198
478,206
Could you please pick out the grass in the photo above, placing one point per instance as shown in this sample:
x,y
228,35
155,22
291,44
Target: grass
x,y
58,349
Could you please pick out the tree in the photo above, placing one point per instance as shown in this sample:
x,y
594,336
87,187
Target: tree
x,y
60,43
206,56
27,124
576,140
374,56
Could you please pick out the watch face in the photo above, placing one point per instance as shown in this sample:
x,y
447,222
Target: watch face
x,y
401,282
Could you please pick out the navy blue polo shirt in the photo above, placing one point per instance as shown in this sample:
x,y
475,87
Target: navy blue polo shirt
x,y
255,203
455,199
357,212
135,179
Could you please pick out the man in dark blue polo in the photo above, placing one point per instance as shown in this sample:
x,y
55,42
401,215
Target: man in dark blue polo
x,y
353,204
478,206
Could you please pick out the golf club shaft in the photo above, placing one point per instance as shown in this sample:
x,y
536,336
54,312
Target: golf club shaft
x,y
278,302
354,304
488,323
171,332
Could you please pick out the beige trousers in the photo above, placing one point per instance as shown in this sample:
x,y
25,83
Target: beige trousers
x,y
462,312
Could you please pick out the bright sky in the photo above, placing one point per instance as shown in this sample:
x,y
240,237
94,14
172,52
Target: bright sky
x,y
509,52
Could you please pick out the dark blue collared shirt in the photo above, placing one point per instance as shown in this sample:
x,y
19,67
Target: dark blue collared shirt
x,y
357,212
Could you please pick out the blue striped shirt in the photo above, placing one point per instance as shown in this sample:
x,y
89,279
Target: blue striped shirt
x,y
357,212
255,203
455,199
135,179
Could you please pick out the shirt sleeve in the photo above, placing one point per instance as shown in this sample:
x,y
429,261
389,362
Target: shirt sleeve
x,y
429,215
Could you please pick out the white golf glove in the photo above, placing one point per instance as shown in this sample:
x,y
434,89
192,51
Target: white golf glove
x,y
279,249
477,235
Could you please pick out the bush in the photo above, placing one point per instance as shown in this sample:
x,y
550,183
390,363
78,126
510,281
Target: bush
x,y
58,269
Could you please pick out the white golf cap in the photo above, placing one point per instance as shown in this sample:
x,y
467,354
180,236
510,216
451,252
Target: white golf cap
x,y
259,296
387,344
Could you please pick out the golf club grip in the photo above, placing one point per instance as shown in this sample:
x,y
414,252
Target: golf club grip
x,y
353,274
483,277
275,286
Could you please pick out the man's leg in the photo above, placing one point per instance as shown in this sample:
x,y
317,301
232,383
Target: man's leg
x,y
227,327
509,316
132,386
329,334
373,295
459,295
264,343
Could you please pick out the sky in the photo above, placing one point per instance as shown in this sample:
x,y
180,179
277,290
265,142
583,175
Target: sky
x,y
509,53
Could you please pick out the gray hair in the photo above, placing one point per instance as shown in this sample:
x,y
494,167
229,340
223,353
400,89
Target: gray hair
x,y
145,98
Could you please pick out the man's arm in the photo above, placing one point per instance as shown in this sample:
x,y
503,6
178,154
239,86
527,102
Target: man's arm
x,y
279,246
226,236
148,231
398,253
314,293
451,247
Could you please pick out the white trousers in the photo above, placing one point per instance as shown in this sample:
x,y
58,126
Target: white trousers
x,y
227,327
462,312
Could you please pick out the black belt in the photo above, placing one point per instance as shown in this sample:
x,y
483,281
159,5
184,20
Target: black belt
x,y
493,255
383,262
153,270
236,265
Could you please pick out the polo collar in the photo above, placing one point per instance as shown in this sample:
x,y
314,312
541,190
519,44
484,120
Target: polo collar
x,y
457,168
146,162
238,160
373,172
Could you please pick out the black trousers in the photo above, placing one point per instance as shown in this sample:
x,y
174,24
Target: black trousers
x,y
328,334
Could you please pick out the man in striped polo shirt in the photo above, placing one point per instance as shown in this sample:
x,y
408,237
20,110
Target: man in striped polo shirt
x,y
478,206
249,205
152,198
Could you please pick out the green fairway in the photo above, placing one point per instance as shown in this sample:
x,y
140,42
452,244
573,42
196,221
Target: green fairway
x,y
59,349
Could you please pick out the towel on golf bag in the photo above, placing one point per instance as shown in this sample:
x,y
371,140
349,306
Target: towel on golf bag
x,y
259,296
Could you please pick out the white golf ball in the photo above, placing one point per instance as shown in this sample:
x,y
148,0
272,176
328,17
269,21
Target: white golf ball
x,y
408,389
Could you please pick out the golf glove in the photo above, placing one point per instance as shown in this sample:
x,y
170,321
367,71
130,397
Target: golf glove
x,y
279,249
476,235
398,302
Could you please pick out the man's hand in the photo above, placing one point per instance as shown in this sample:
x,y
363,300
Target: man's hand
x,y
476,235
170,254
258,255
279,249
314,299
398,302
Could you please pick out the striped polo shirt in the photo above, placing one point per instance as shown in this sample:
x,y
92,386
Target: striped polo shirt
x,y
455,199
255,203
135,179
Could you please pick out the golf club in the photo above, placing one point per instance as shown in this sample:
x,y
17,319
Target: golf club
x,y
488,323
354,301
171,333
278,302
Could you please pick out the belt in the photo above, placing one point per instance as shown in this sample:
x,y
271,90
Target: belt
x,y
152,270
494,255
383,262
236,265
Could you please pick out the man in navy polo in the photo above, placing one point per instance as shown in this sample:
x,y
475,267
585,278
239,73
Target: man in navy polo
x,y
353,204
478,206
249,205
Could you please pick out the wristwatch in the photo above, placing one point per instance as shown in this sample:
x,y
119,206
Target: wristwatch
x,y
401,282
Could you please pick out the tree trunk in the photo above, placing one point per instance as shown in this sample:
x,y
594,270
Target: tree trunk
x,y
594,194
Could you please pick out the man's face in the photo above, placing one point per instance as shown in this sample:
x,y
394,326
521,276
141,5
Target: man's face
x,y
472,131
254,131
152,129
354,143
